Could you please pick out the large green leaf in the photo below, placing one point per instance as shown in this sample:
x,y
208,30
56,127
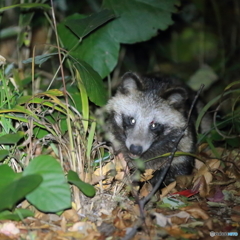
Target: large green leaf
x,y
13,187
7,175
3,154
53,194
17,215
11,138
85,188
92,82
83,26
98,49
139,20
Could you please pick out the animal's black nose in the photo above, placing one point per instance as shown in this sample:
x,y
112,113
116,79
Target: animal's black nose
x,y
136,150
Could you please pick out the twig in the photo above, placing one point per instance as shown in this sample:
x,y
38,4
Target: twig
x,y
143,201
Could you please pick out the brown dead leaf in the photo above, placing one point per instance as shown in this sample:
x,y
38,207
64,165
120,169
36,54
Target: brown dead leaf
x,y
208,177
213,164
175,231
106,174
201,186
177,220
69,235
145,190
94,179
103,171
184,181
5,237
84,227
71,215
235,217
63,224
196,212
168,189
202,147
119,223
209,223
92,235
120,176
236,209
205,169
147,175
233,172
218,149
123,218
46,217
162,220
120,163
180,217
198,164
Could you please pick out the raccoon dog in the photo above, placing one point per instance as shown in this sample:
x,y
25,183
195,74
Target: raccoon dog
x,y
146,117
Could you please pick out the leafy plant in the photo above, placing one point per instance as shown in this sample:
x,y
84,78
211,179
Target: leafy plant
x,y
59,122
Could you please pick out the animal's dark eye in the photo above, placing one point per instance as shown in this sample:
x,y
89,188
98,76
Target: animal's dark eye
x,y
155,126
128,121
131,121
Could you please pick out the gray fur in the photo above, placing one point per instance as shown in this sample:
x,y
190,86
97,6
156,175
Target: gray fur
x,y
146,116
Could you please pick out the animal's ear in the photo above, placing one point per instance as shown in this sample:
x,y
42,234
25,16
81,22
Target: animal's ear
x,y
176,97
131,82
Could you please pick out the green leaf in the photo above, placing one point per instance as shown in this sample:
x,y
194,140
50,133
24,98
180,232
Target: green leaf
x,y
75,99
11,138
39,132
84,100
27,5
85,188
83,26
103,47
92,82
209,104
40,59
3,154
204,75
53,194
13,189
98,49
139,20
7,176
19,109
69,39
17,215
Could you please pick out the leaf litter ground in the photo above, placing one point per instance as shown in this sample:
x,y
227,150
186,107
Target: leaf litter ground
x,y
200,206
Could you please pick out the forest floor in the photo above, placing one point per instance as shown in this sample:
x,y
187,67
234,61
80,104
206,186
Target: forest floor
x,y
205,206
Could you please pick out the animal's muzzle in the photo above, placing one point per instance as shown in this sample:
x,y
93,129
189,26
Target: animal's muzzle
x,y
135,151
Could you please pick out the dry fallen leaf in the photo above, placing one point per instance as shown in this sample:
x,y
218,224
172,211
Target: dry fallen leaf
x,y
202,186
145,189
71,215
168,189
147,175
83,227
123,219
162,220
184,181
205,169
176,231
196,212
